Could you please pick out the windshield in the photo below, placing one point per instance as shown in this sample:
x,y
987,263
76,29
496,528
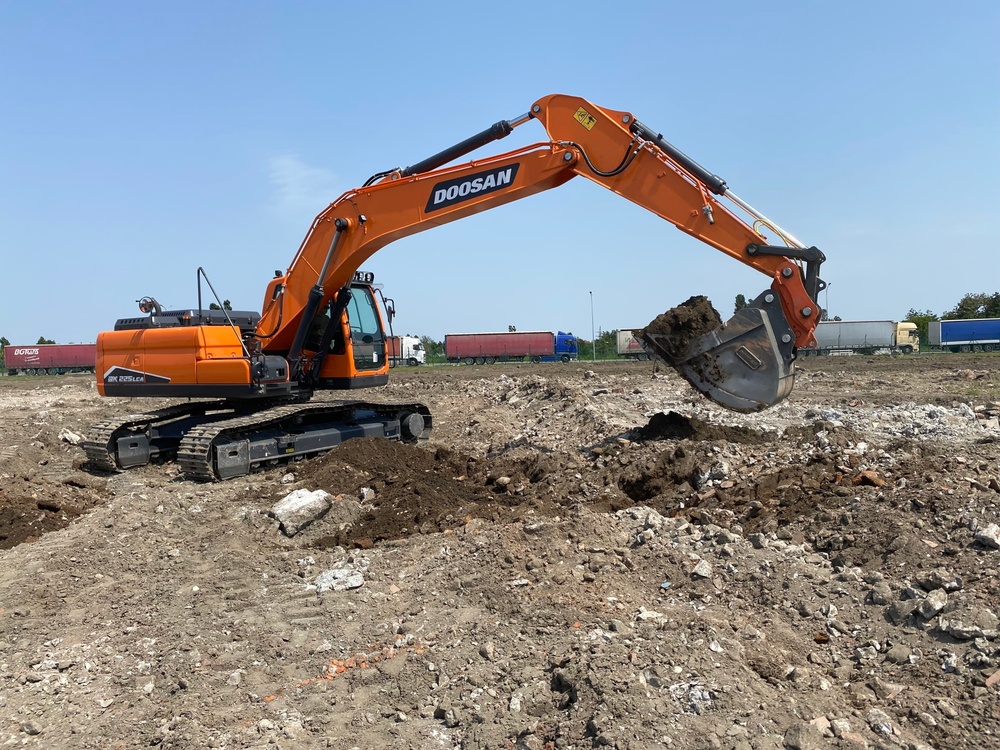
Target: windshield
x,y
366,329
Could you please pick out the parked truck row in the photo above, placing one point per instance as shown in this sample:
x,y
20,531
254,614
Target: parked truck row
x,y
629,346
832,337
49,359
510,346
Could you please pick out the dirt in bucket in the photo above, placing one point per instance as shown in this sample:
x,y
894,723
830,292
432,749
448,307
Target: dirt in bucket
x,y
682,324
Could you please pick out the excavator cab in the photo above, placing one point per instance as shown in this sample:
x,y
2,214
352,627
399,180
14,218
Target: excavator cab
x,y
352,353
367,333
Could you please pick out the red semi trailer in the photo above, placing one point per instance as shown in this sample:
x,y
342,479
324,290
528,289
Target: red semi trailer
x,y
49,359
514,346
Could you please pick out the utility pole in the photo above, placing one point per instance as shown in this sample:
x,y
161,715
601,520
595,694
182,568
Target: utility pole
x,y
593,340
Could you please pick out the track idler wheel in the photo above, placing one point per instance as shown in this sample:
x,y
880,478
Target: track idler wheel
x,y
411,426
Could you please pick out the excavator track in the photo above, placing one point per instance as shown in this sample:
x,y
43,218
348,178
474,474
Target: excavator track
x,y
235,447
117,444
222,439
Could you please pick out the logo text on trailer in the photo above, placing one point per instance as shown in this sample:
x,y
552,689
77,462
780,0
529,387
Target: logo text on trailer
x,y
450,192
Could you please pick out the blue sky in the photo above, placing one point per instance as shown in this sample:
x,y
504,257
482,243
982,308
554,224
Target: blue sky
x,y
141,141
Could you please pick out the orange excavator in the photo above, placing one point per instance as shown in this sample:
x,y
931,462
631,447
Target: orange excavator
x,y
320,327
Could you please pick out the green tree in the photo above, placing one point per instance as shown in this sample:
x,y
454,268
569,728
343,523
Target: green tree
x,y
225,306
4,343
921,318
993,306
607,345
976,306
741,302
43,340
434,349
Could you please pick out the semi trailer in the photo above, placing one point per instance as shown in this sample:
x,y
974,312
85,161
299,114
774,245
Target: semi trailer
x,y
511,346
629,346
405,350
865,337
49,359
964,335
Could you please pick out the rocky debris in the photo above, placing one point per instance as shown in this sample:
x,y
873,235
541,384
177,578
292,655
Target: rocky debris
x,y
67,435
342,577
582,557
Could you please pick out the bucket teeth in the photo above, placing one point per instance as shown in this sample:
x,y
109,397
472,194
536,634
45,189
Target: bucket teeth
x,y
745,365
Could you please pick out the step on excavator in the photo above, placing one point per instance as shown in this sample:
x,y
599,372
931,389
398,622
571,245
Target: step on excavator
x,y
251,378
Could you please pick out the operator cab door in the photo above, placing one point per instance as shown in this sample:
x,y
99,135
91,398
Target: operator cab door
x,y
367,336
356,357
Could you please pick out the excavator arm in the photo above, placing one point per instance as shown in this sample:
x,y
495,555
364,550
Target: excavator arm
x,y
746,364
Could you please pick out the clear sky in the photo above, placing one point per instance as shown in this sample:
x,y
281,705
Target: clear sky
x,y
139,141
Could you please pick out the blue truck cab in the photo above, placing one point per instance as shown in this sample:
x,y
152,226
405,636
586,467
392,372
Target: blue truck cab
x,y
565,347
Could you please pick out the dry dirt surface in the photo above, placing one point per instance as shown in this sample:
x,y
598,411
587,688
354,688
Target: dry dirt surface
x,y
583,556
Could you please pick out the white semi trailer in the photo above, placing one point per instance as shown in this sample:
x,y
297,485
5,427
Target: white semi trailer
x,y
865,337
629,346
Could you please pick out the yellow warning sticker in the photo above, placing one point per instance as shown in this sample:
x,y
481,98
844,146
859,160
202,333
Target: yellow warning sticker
x,y
586,119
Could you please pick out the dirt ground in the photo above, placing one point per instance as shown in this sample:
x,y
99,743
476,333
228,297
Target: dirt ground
x,y
584,555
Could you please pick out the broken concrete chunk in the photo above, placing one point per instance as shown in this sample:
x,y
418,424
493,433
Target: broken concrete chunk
x,y
989,536
299,509
340,579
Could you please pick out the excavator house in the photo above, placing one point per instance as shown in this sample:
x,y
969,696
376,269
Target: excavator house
x,y
250,377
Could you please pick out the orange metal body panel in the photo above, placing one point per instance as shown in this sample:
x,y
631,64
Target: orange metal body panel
x,y
227,371
342,366
185,355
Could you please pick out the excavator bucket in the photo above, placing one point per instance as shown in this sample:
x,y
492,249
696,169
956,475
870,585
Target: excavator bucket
x,y
745,365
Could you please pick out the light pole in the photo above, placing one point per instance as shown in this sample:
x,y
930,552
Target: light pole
x,y
827,305
593,341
